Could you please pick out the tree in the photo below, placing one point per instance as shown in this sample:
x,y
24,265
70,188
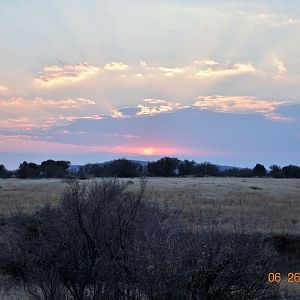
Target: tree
x,y
166,167
259,170
238,172
51,168
186,167
276,171
23,171
122,168
3,171
291,171
207,169
28,170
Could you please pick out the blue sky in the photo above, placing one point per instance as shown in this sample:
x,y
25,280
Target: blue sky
x,y
95,80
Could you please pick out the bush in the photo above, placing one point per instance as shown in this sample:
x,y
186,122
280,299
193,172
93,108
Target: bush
x,y
104,241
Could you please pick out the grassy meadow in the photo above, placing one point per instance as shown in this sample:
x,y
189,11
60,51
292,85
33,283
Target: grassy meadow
x,y
265,204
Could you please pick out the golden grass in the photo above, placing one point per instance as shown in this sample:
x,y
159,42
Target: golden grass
x,y
267,204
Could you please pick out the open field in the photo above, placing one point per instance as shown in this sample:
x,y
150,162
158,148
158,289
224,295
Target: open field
x,y
267,204
264,204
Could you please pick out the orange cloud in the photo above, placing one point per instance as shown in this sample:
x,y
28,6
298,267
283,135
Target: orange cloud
x,y
243,104
3,89
59,75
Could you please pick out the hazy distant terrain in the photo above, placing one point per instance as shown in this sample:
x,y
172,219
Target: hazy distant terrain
x,y
267,204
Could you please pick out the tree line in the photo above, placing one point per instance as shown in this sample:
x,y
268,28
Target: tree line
x,y
47,169
165,167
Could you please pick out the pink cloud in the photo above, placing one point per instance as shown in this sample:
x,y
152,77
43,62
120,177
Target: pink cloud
x,y
26,144
64,103
242,104
59,75
20,113
3,89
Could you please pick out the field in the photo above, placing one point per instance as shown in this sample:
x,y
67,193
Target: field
x,y
265,204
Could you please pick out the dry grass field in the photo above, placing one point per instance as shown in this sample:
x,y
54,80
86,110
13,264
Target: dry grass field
x,y
264,204
267,204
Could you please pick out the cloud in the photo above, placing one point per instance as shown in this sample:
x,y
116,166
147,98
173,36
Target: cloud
x,y
242,105
116,66
233,70
203,69
273,20
64,103
125,136
3,89
156,106
41,102
23,123
280,67
20,113
149,107
59,75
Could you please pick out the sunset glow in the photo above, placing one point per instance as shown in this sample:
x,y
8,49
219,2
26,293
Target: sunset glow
x,y
148,151
150,79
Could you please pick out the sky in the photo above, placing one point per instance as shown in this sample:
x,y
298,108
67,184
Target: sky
x,y
89,81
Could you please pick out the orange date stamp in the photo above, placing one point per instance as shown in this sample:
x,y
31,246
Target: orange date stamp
x,y
292,277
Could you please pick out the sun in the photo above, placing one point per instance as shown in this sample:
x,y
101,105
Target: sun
x,y
148,151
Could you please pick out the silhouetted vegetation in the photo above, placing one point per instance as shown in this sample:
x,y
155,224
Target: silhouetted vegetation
x,y
238,172
104,241
116,168
291,171
4,173
48,169
165,167
276,171
259,170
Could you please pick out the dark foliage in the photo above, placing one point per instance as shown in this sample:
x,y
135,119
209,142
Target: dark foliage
x,y
259,170
166,166
291,171
4,173
47,169
51,168
276,171
187,167
206,169
116,168
238,172
104,241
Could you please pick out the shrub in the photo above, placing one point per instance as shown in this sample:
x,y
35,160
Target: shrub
x,y
104,241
